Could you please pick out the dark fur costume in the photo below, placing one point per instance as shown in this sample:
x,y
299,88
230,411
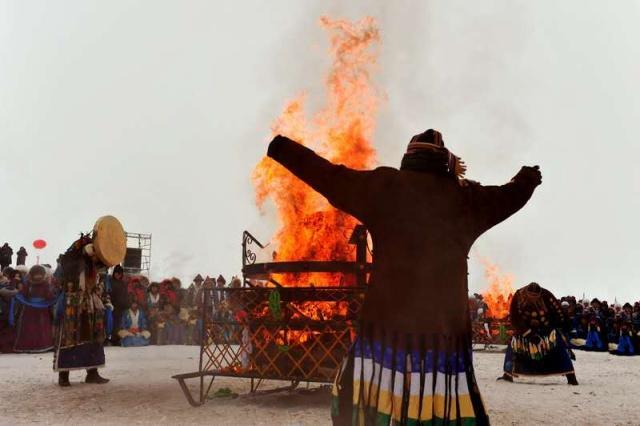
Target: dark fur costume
x,y
423,221
538,346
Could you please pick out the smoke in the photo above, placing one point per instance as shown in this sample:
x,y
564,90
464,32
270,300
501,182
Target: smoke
x,y
156,113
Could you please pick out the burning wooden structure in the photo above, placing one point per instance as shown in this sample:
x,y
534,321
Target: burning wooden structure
x,y
263,330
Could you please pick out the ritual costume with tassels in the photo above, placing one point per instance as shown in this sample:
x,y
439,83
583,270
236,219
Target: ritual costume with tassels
x,y
80,313
538,346
411,362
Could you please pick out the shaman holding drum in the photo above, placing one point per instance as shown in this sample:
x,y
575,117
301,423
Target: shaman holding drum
x,y
80,313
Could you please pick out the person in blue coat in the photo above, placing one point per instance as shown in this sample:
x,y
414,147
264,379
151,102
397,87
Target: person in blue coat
x,y
134,327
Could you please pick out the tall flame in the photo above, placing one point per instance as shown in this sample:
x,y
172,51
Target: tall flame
x,y
500,291
341,131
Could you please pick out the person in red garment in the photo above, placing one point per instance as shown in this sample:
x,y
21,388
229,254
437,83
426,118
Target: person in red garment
x,y
34,313
412,360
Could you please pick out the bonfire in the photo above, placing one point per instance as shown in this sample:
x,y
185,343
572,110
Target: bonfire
x,y
499,292
341,131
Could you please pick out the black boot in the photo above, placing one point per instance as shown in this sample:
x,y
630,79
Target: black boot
x,y
572,380
63,379
94,377
506,377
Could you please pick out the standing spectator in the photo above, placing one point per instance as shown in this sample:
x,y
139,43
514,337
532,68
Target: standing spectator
x,y
104,292
7,292
206,298
169,293
144,281
34,326
21,256
15,278
119,299
153,311
6,255
177,284
138,291
194,288
178,290
221,295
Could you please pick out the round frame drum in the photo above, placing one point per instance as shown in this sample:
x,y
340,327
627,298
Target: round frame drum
x,y
109,241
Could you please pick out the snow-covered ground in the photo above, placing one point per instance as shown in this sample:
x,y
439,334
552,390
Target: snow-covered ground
x,y
142,392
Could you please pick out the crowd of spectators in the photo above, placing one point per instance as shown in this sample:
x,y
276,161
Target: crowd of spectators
x,y
138,312
590,324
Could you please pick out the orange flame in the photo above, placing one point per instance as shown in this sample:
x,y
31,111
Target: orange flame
x,y
498,295
310,228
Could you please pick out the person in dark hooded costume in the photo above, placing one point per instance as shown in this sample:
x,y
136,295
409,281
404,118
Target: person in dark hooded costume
x,y
6,256
538,346
412,361
21,256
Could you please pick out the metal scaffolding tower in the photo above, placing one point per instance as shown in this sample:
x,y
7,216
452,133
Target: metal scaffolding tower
x,y
138,259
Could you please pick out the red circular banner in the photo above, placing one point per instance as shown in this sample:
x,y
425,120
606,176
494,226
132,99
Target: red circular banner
x,y
39,244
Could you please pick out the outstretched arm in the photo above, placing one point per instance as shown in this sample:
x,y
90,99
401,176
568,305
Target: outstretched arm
x,y
491,205
345,188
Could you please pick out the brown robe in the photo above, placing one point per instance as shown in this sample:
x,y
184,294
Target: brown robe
x,y
422,225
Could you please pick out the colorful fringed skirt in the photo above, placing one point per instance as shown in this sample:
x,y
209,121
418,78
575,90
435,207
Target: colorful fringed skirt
x,y
538,355
380,385
79,338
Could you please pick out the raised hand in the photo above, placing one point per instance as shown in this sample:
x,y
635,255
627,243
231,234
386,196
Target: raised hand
x,y
530,174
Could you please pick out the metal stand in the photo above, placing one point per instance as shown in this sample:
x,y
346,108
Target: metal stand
x,y
279,333
142,242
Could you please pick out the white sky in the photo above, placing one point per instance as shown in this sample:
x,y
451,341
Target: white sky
x,y
157,111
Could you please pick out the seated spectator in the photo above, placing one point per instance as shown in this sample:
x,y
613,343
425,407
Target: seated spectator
x,y
624,344
596,337
189,319
134,329
167,324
